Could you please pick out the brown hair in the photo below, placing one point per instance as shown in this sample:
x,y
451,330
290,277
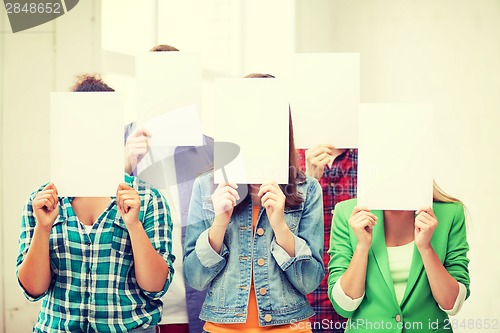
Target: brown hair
x,y
163,48
258,76
295,175
90,83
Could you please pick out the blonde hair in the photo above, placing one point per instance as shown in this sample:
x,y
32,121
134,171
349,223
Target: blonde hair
x,y
438,195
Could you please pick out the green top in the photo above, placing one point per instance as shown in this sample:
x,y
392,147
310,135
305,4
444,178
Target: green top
x,y
400,264
380,310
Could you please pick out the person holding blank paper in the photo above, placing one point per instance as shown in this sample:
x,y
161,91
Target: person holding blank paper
x,y
336,171
257,249
399,271
99,264
173,175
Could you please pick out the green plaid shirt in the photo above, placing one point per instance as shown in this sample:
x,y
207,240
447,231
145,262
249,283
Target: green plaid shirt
x,y
93,286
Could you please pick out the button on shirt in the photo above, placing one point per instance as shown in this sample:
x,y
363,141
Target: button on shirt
x,y
93,286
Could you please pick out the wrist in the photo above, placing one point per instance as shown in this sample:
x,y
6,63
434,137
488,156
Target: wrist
x,y
128,165
216,232
281,230
317,174
43,231
221,221
133,225
362,249
425,250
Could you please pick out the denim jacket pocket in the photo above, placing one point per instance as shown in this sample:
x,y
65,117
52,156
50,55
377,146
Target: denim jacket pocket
x,y
292,217
217,291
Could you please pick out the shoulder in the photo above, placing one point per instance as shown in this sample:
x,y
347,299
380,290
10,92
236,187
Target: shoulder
x,y
146,191
309,189
205,178
343,209
310,184
447,207
448,211
36,191
40,189
349,156
205,183
346,205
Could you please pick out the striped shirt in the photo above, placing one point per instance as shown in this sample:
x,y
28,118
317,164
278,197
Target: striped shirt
x,y
93,287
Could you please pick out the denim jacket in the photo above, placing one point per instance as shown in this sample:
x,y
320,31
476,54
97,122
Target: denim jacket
x,y
285,280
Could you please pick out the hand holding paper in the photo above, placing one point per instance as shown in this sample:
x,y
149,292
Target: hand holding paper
x,y
273,200
45,206
316,159
224,199
129,204
362,222
425,224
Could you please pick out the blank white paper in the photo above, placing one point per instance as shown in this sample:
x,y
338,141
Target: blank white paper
x,y
86,142
181,127
395,156
170,82
325,95
253,114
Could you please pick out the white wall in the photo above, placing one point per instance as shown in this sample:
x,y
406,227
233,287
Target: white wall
x,y
443,52
34,63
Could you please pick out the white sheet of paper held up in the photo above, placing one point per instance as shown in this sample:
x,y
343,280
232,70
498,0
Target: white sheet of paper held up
x,y
395,167
251,115
86,141
167,81
180,127
325,96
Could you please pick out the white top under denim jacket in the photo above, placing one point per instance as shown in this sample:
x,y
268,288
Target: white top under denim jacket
x,y
227,274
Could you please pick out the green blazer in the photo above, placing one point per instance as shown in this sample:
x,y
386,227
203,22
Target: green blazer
x,y
379,311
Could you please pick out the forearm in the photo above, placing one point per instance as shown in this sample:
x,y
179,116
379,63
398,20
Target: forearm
x,y
284,238
314,173
34,273
354,278
216,233
128,165
443,286
151,270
